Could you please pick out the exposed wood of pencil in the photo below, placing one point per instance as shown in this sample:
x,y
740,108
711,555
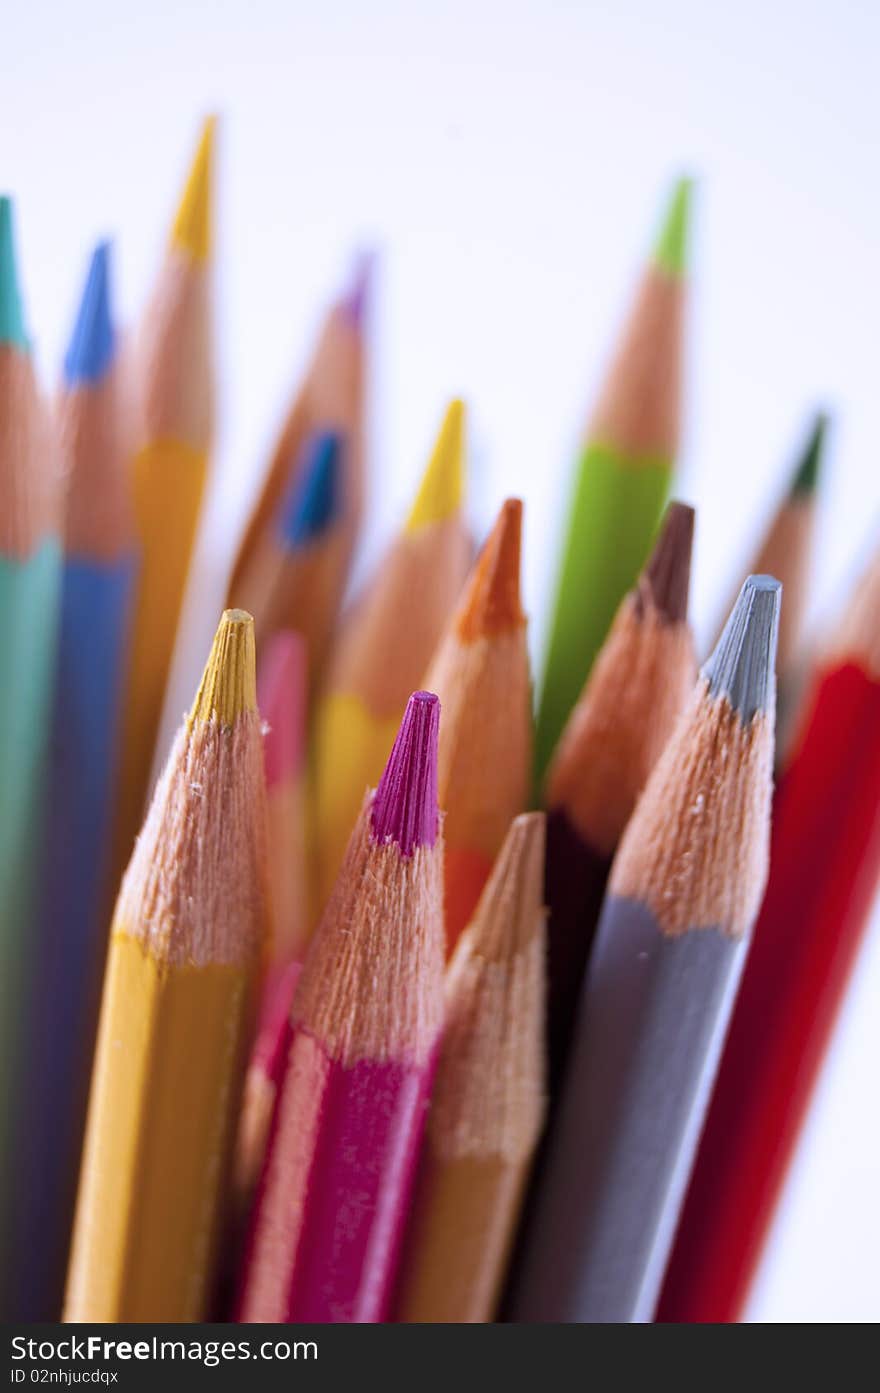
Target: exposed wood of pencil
x,y
175,400
632,699
364,1033
30,568
488,1100
330,397
384,645
824,871
621,478
685,889
70,932
182,972
481,674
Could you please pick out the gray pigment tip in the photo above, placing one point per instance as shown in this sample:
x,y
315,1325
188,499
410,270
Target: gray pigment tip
x,y
743,664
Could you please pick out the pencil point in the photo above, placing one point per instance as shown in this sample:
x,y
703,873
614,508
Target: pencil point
x,y
671,248
510,909
11,316
315,500
491,603
281,697
228,685
191,232
93,341
440,492
405,802
806,476
668,571
743,664
355,301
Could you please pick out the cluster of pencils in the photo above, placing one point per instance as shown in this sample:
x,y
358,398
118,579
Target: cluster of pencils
x,y
411,1007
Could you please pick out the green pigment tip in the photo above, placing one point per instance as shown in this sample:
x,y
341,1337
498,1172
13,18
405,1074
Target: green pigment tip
x,y
11,319
806,475
670,251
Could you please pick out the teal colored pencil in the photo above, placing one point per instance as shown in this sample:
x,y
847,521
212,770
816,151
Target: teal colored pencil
x,y
622,478
30,570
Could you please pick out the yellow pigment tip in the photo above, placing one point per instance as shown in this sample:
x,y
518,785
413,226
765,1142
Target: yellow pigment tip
x,y
229,682
440,492
191,232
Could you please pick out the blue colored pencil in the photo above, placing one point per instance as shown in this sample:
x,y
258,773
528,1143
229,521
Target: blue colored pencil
x,y
96,598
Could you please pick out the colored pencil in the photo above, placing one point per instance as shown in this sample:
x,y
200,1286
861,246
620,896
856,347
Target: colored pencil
x,y
175,391
824,871
622,478
384,645
481,674
30,572
96,590
487,1105
328,401
786,551
182,972
684,891
363,1041
281,693
632,699
296,572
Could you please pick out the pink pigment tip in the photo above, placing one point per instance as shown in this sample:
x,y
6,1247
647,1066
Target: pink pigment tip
x,y
281,697
356,299
405,803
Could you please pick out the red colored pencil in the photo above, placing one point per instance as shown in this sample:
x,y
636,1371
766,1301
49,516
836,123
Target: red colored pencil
x,y
365,1026
824,868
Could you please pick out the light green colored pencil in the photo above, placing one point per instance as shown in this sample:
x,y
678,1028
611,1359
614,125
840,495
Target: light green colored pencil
x,y
622,478
30,571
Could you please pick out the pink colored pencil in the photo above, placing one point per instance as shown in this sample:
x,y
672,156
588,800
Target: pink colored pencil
x,y
366,1019
281,695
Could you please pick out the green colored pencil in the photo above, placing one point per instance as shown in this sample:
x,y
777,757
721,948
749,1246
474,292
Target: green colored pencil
x,y
30,571
622,478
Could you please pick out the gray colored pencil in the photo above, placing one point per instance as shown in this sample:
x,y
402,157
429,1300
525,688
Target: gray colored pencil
x,y
684,891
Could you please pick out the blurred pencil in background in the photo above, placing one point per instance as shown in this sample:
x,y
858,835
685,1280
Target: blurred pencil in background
x,y
97,584
622,478
179,993
383,647
175,401
363,1040
329,407
481,674
30,575
685,889
823,878
487,1105
630,704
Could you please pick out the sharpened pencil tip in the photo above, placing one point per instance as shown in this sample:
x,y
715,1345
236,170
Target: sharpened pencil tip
x,y
809,466
442,487
355,301
12,329
229,683
405,802
671,247
315,500
191,232
93,341
491,603
510,909
743,664
668,571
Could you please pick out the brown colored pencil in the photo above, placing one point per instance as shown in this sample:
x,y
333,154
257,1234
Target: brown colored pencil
x,y
488,1100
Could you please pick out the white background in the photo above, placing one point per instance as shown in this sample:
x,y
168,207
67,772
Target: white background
x,y
508,159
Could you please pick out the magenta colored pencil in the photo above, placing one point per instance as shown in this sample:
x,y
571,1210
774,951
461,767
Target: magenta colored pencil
x,y
328,1218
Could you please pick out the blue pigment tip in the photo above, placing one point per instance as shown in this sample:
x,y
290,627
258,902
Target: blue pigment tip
x,y
313,503
93,342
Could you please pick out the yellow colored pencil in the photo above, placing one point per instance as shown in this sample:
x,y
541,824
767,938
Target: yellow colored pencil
x,y
175,392
182,974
